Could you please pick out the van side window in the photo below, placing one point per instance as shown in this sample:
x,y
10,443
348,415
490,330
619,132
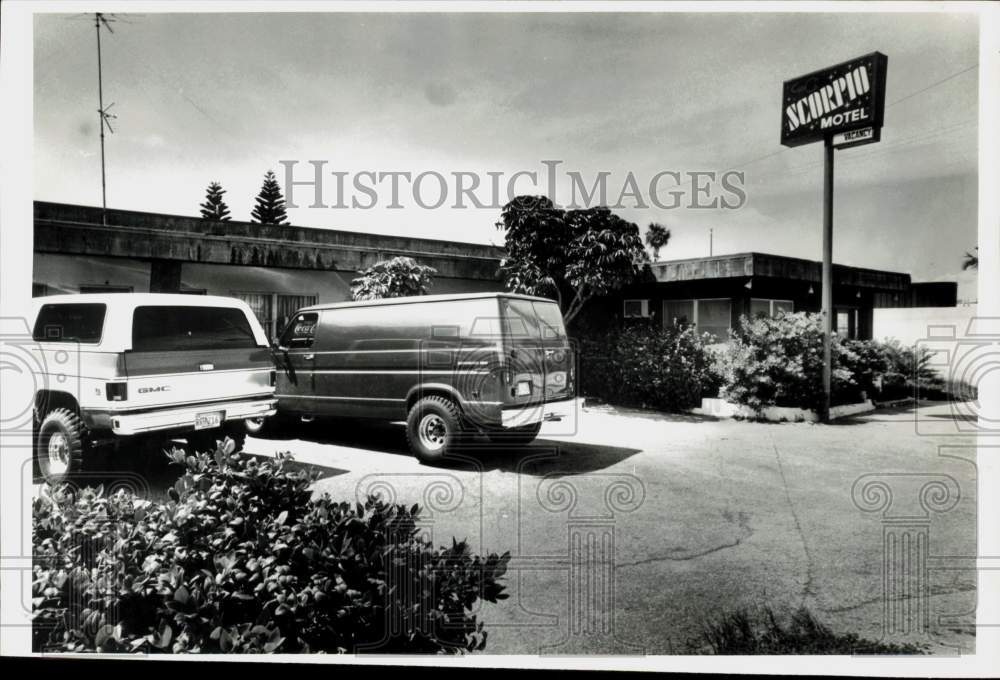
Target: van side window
x,y
70,323
300,331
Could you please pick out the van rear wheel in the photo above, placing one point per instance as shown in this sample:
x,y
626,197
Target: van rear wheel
x,y
433,428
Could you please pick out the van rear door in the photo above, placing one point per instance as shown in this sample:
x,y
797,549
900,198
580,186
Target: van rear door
x,y
190,355
538,356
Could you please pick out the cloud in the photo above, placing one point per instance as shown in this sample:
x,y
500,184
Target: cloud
x,y
440,93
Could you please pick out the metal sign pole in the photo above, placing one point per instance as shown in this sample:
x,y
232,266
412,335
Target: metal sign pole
x,y
827,280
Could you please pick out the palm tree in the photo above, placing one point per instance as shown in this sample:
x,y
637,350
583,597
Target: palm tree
x,y
971,261
657,236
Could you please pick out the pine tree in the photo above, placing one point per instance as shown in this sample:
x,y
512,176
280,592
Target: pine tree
x,y
214,208
270,208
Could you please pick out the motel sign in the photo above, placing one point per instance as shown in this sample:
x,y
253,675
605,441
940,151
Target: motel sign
x,y
841,106
845,103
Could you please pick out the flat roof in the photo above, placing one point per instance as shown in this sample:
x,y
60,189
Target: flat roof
x,y
416,299
750,264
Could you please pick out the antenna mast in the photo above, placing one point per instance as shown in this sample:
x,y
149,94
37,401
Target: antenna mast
x,y
102,20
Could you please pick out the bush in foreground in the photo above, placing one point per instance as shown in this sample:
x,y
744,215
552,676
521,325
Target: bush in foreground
x,y
241,559
743,633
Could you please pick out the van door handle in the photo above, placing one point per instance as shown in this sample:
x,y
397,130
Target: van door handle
x,y
309,357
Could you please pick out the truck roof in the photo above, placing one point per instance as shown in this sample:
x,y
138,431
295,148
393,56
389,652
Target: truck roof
x,y
418,299
127,300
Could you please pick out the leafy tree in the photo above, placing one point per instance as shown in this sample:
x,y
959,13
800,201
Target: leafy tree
x,y
398,277
971,260
572,255
270,208
214,208
657,236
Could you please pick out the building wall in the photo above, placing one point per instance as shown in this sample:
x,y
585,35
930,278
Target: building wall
x,y
912,324
270,291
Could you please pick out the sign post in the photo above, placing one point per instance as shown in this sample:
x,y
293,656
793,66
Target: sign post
x,y
842,106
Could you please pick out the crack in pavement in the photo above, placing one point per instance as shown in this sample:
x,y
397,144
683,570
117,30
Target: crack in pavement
x,y
901,598
742,519
807,587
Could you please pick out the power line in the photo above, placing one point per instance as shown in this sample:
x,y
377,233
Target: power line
x,y
932,85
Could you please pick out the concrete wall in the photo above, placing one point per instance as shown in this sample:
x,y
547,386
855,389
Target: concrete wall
x,y
66,273
910,324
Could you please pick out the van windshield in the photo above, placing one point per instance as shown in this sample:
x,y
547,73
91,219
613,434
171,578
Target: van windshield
x,y
164,328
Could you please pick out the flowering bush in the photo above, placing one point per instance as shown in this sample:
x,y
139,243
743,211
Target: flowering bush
x,y
241,559
645,366
778,361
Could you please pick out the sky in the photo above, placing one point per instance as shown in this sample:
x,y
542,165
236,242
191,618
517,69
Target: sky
x,y
226,97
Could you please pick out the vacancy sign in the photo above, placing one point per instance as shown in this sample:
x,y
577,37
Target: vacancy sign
x,y
842,104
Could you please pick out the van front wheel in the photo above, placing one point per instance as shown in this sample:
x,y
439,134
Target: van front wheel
x,y
433,428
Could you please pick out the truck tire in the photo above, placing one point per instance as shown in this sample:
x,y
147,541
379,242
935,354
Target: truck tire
x,y
515,436
59,446
433,428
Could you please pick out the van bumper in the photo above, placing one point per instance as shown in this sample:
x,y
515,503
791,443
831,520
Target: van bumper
x,y
520,416
127,424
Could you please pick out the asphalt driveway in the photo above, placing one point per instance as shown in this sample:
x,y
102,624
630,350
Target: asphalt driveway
x,y
630,530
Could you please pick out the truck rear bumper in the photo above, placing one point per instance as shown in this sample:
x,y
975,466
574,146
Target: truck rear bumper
x,y
127,424
521,416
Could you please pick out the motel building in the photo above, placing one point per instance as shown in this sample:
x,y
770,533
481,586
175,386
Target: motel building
x,y
278,269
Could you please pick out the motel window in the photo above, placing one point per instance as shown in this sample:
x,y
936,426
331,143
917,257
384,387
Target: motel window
x,y
636,309
765,307
711,316
678,312
274,310
105,288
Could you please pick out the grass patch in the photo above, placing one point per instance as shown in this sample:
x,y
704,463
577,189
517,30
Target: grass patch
x,y
740,632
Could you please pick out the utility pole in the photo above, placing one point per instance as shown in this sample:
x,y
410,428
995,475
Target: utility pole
x,y
710,235
827,277
104,116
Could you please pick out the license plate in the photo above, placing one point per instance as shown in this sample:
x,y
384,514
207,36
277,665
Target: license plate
x,y
206,421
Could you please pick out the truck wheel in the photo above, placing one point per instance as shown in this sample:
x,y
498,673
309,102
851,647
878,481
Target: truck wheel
x,y
515,436
255,426
433,428
59,446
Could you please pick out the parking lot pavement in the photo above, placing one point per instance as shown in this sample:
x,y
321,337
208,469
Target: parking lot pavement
x,y
631,533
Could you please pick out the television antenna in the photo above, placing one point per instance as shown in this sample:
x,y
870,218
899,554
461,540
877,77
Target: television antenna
x,y
105,21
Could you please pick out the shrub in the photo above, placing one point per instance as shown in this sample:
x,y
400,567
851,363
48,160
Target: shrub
x,y
778,361
397,277
908,372
241,559
645,366
740,632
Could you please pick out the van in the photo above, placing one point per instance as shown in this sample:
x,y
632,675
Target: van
x,y
449,365
124,366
